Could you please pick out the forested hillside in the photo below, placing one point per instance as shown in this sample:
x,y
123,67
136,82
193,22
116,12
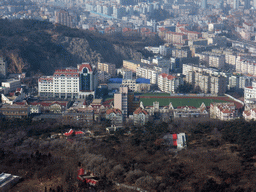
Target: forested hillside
x,y
40,47
220,156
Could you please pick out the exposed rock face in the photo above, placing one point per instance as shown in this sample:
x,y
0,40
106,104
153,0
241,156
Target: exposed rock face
x,y
40,47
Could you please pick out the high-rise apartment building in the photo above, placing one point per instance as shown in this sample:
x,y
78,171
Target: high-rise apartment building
x,y
247,4
236,4
63,18
218,85
108,68
204,4
168,83
121,100
3,68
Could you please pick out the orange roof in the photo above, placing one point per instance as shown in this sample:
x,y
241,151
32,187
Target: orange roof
x,y
247,24
163,75
226,111
113,110
87,65
140,110
163,29
247,113
171,77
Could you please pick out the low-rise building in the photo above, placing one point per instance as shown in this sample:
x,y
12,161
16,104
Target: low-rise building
x,y
11,84
140,116
14,111
115,116
190,112
7,181
250,114
223,111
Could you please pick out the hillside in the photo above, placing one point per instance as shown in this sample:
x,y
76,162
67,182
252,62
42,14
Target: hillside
x,y
220,156
40,47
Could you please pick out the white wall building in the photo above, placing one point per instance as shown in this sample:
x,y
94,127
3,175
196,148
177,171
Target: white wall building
x,y
69,83
12,85
168,83
250,93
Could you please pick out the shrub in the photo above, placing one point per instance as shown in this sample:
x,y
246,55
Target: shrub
x,y
132,176
146,182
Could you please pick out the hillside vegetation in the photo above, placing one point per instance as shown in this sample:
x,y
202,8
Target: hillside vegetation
x,y
40,47
220,156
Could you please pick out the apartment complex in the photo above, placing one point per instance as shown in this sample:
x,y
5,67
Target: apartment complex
x,y
168,83
151,73
69,82
212,59
246,65
108,68
205,80
176,38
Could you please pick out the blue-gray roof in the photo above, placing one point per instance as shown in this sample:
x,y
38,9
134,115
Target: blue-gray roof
x,y
143,80
115,80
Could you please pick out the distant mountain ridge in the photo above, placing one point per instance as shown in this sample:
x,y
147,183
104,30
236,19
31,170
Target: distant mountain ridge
x,y
41,47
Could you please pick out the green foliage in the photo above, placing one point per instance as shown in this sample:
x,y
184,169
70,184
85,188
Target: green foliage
x,y
184,88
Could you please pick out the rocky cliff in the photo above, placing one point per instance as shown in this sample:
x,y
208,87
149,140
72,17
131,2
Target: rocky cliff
x,y
41,47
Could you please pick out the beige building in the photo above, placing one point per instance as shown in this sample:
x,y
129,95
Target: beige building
x,y
230,59
207,80
212,59
131,65
136,87
176,38
108,68
14,111
202,80
121,100
217,61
